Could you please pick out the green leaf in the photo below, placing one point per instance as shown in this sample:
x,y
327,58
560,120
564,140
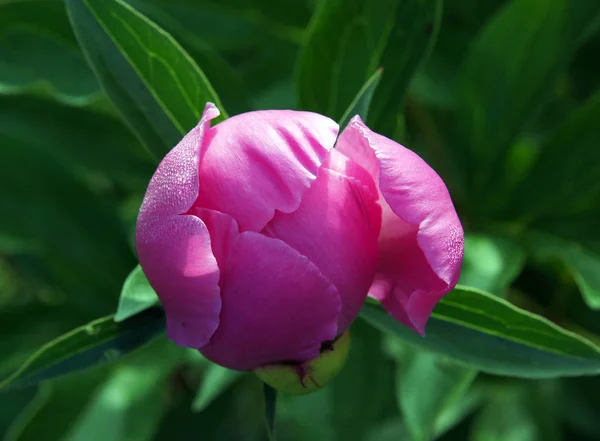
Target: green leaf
x,y
362,101
238,25
14,404
20,339
121,402
306,417
64,134
457,411
270,395
80,247
489,334
491,263
348,40
39,53
571,153
97,342
361,392
130,404
392,430
426,386
412,38
508,76
582,262
154,83
136,296
57,405
215,381
519,412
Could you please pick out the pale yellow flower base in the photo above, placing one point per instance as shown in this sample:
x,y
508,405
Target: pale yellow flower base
x,y
311,376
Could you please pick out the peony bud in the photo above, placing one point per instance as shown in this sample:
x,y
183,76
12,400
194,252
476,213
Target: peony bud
x,y
263,241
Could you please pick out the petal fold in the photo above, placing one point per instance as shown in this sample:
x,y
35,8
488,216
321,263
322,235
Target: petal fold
x,y
277,306
174,249
421,242
259,162
336,226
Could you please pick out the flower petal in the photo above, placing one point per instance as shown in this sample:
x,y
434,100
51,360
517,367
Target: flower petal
x,y
336,226
421,241
259,162
174,186
277,306
174,249
176,256
223,231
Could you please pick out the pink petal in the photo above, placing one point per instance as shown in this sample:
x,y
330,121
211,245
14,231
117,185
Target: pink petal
x,y
174,186
336,226
421,240
259,162
223,231
277,306
174,249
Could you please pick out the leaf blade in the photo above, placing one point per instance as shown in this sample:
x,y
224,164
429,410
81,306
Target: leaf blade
x,y
426,386
97,342
216,381
155,84
362,101
582,262
348,40
504,86
486,333
136,296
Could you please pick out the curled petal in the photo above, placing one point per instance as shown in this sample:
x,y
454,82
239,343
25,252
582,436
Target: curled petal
x,y
277,306
421,240
176,256
259,162
174,248
223,231
336,227
174,186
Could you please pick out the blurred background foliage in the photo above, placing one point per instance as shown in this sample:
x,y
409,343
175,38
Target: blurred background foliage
x,y
501,97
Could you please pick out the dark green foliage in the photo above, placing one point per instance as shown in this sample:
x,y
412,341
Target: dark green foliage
x,y
501,97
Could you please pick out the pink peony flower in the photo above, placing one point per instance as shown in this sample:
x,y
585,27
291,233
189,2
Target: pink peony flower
x,y
263,241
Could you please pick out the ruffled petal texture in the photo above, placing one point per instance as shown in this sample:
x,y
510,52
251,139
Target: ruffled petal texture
x,y
260,162
174,248
277,306
336,226
421,242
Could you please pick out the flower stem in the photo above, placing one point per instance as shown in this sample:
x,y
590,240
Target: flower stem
x,y
270,395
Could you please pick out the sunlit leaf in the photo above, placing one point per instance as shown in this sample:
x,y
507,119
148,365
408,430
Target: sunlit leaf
x,y
130,404
426,386
491,263
362,101
154,83
56,407
360,392
489,334
215,381
137,295
98,342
